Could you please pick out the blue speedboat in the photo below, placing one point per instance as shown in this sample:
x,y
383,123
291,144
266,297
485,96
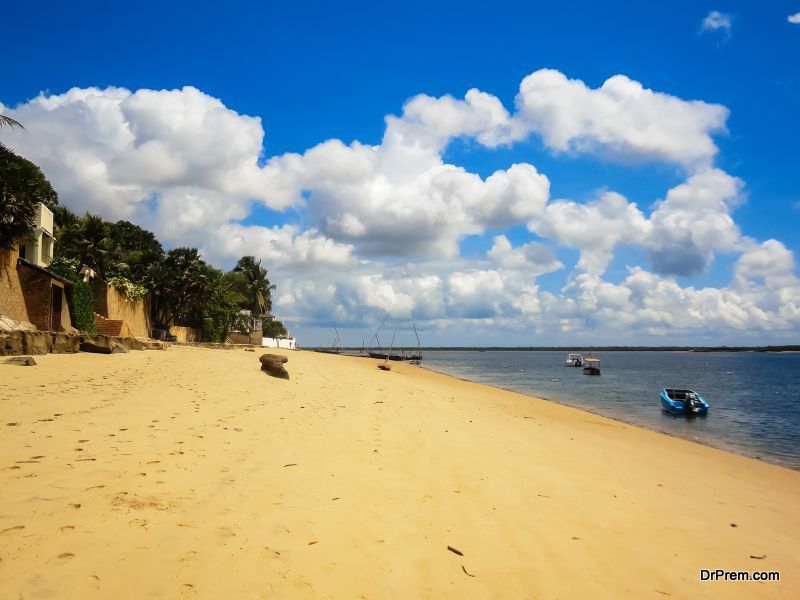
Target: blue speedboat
x,y
683,402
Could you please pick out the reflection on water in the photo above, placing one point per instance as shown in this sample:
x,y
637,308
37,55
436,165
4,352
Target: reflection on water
x,y
753,397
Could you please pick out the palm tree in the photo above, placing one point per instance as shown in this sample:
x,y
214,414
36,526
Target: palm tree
x,y
6,121
87,239
257,288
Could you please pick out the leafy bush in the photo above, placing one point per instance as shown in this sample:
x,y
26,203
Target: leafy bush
x,y
212,331
273,328
79,297
22,187
65,267
81,301
222,315
132,291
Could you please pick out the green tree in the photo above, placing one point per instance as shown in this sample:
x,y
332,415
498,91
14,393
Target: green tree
x,y
132,250
88,241
273,328
158,277
22,187
254,285
222,313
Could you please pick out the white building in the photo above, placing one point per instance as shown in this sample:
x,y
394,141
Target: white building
x,y
39,249
288,343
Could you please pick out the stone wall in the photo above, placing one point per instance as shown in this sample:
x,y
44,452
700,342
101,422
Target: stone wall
x,y
113,305
100,294
252,338
134,314
185,334
12,302
36,285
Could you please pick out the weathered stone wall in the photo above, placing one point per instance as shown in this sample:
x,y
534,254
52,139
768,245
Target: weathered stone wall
x,y
111,304
37,294
185,334
12,302
253,338
134,314
100,294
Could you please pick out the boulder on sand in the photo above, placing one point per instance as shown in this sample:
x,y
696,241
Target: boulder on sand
x,y
273,365
23,361
98,344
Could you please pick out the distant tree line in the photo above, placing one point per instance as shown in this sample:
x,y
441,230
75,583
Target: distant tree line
x,y
184,289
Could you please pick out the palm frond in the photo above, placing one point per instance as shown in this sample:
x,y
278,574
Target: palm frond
x,y
6,121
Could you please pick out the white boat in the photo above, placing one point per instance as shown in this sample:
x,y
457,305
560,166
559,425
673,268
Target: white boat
x,y
574,360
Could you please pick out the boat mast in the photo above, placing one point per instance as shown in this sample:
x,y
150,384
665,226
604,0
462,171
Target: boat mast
x,y
419,348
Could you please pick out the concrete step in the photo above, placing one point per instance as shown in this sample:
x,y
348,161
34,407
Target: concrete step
x,y
105,326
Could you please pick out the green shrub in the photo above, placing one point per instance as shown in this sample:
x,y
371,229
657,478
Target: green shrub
x,y
132,291
79,297
273,328
212,331
65,267
82,304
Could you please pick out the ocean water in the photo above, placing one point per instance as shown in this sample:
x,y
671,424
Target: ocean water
x,y
754,398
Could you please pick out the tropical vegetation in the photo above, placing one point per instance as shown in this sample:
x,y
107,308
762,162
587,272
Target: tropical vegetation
x,y
22,187
183,288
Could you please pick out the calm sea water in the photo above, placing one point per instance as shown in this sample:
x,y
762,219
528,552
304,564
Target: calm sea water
x,y
754,397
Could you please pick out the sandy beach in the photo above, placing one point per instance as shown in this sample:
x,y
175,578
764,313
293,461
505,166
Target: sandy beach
x,y
190,473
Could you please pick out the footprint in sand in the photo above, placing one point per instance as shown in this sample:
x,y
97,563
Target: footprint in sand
x,y
12,529
138,523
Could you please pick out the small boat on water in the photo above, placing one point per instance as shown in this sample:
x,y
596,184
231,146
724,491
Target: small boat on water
x,y
334,348
591,366
574,360
386,356
683,402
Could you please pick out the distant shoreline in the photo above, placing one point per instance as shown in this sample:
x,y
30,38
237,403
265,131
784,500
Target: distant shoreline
x,y
789,348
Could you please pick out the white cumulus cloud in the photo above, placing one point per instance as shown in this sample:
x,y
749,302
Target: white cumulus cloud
x,y
717,21
620,118
374,229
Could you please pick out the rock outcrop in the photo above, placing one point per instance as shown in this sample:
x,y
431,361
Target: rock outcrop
x,y
36,342
16,343
65,343
11,343
273,365
22,361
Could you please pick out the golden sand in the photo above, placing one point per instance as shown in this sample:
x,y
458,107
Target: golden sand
x,y
190,473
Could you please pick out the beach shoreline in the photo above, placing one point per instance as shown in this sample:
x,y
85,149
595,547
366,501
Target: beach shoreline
x,y
564,402
190,473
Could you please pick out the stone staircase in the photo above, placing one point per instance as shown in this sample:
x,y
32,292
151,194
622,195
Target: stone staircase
x,y
107,326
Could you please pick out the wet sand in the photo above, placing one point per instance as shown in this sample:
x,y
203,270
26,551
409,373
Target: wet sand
x,y
190,473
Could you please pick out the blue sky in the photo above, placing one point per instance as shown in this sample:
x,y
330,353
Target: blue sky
x,y
316,71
